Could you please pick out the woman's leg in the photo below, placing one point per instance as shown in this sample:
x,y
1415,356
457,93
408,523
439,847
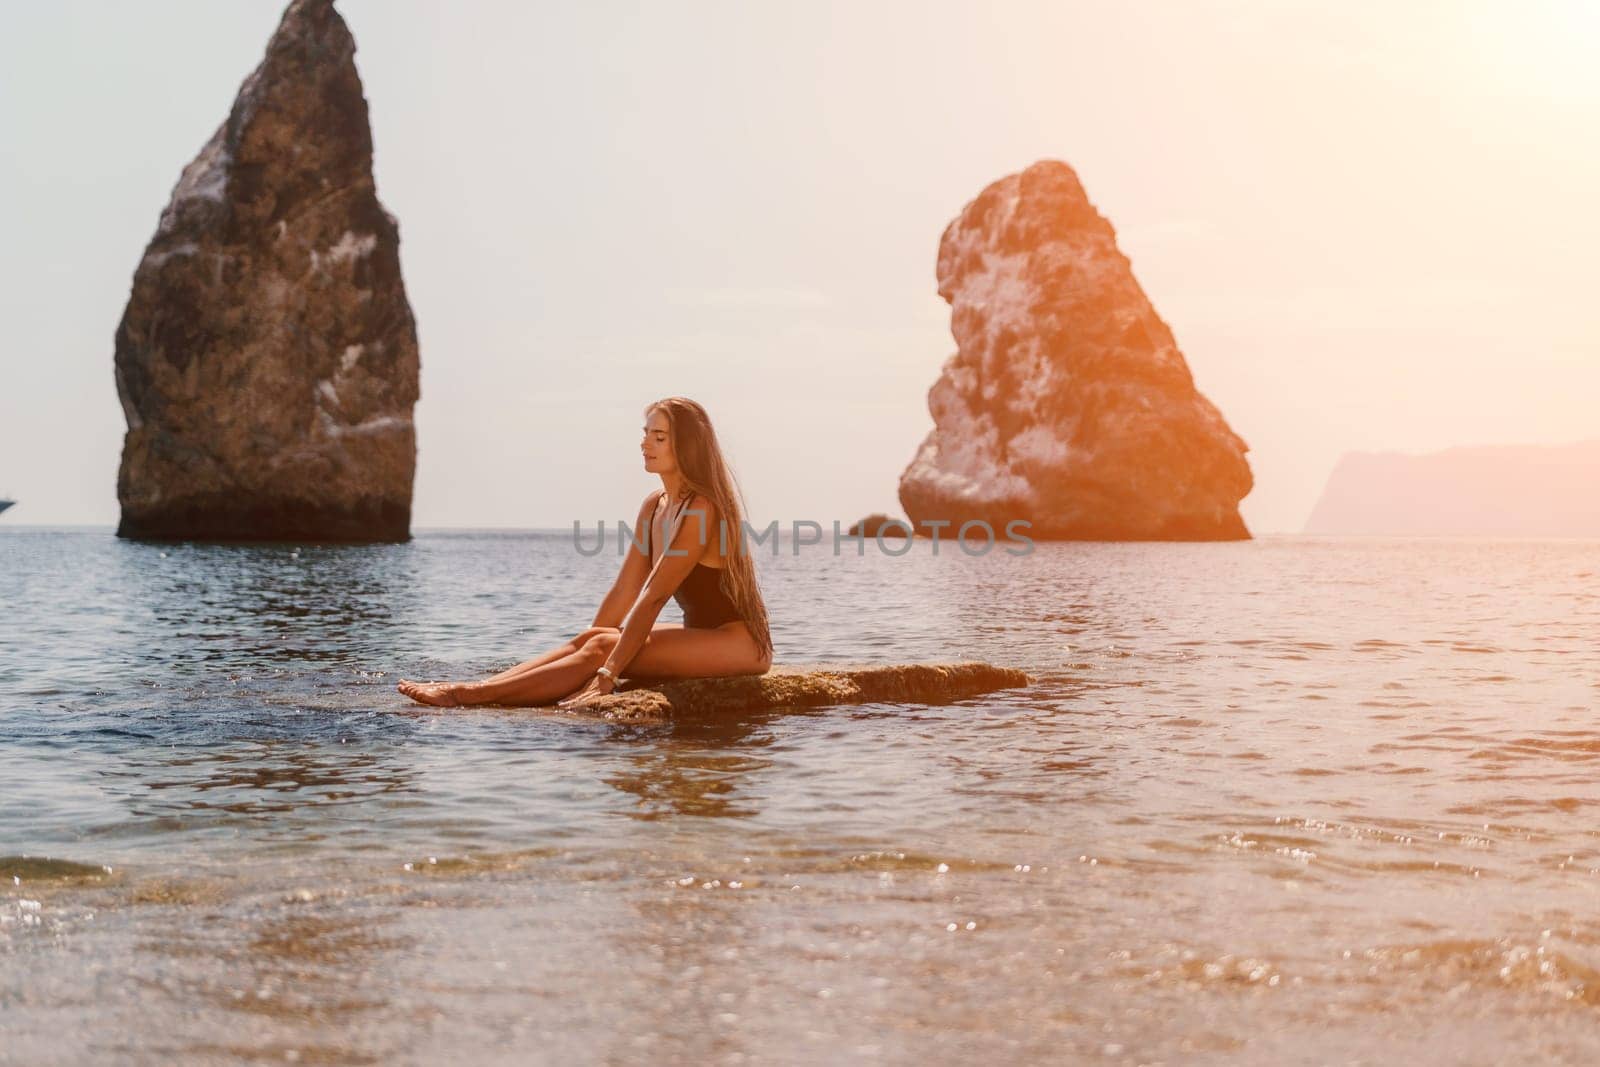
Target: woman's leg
x,y
543,684
434,692
570,647
560,652
685,652
670,651
541,681
550,682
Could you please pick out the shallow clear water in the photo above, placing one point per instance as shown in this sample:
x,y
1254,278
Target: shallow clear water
x,y
1290,800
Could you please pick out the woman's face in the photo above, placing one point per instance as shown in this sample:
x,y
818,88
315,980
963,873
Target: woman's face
x,y
659,458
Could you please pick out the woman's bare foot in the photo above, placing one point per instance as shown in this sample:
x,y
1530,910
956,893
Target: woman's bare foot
x,y
438,694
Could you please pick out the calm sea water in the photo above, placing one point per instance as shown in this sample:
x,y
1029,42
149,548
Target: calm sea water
x,y
1291,800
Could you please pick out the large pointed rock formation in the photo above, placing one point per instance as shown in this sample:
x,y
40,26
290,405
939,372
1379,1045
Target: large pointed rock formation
x,y
267,360
1067,402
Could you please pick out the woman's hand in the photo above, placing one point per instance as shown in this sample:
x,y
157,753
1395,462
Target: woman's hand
x,y
596,687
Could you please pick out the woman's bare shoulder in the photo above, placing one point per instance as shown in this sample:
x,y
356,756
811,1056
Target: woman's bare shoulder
x,y
704,508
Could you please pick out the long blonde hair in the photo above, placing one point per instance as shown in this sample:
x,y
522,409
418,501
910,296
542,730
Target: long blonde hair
x,y
706,471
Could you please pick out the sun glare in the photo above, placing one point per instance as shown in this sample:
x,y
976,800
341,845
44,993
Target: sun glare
x,y
1546,48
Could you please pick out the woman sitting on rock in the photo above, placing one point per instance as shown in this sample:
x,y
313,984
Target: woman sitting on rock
x,y
724,629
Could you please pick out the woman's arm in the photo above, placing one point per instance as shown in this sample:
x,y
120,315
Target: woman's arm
x,y
635,567
683,552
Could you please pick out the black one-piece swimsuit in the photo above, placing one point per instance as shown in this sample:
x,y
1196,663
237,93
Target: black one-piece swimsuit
x,y
705,606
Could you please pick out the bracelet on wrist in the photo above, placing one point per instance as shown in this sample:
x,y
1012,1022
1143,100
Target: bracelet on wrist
x,y
605,672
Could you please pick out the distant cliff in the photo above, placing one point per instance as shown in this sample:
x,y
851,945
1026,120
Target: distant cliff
x,y
267,359
1491,491
1067,402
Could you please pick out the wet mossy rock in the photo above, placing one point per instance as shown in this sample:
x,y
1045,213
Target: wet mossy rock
x,y
807,686
24,870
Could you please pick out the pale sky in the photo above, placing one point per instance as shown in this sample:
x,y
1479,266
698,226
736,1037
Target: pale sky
x,y
1370,225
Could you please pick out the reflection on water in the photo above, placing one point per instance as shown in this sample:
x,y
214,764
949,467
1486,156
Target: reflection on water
x,y
272,971
1280,801
264,777
687,783
708,768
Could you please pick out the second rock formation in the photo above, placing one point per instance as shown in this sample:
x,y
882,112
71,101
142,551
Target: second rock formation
x,y
1067,402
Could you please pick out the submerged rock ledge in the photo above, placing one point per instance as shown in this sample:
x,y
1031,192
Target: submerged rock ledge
x,y
807,686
